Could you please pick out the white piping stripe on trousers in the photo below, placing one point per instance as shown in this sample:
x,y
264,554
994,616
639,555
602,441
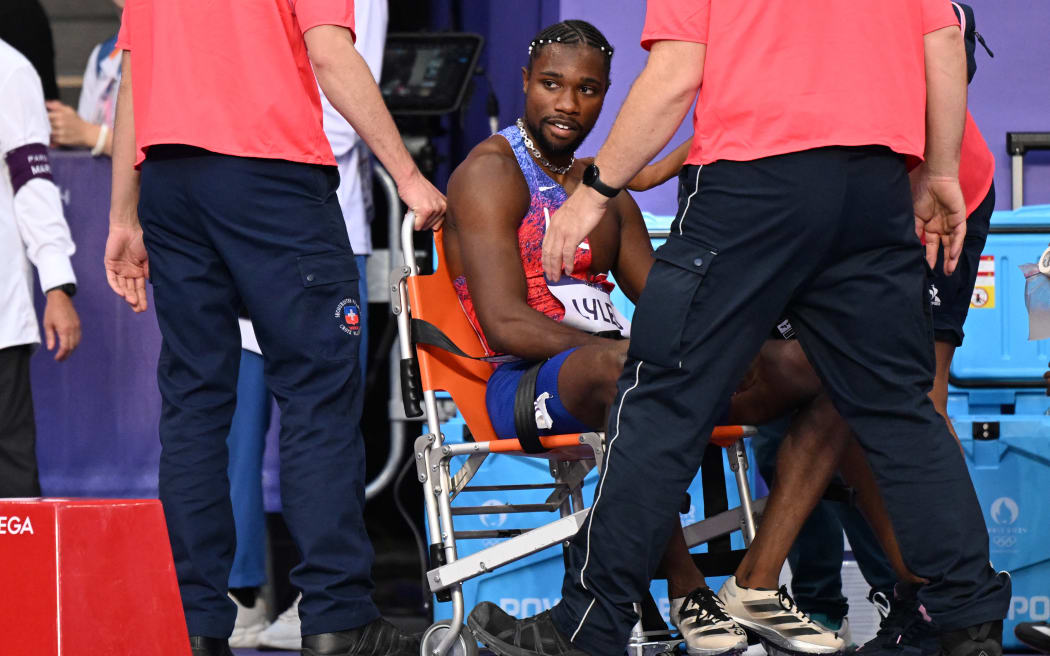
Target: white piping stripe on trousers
x,y
688,201
601,485
583,619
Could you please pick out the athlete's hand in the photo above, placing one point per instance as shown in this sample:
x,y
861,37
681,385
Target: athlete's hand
x,y
940,216
422,198
569,226
127,265
61,324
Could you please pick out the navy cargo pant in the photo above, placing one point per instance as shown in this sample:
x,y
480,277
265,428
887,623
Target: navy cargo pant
x,y
827,236
221,230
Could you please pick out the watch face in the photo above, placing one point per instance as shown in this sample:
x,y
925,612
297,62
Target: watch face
x,y
590,174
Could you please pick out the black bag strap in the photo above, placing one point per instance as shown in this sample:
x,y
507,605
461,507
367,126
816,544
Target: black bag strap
x,y
525,411
424,332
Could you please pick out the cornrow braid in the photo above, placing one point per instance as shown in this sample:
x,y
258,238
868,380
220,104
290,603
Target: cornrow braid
x,y
570,32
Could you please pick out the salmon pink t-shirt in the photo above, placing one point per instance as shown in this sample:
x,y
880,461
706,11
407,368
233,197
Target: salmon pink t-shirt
x,y
785,76
229,76
976,166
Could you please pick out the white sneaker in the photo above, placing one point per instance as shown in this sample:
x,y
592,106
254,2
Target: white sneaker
x,y
773,615
284,633
843,631
251,620
705,626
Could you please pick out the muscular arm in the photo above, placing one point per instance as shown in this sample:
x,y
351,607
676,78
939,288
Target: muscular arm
x,y
945,56
940,209
656,105
123,209
348,84
487,198
635,256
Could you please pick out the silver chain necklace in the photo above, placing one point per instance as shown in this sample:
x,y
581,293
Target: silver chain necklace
x,y
560,170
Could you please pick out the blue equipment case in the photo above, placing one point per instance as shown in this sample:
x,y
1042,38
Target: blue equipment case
x,y
1012,477
1001,412
996,351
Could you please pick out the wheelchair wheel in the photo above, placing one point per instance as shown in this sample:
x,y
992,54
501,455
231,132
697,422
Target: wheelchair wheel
x,y
463,646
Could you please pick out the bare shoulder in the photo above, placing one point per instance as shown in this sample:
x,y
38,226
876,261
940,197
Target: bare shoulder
x,y
489,174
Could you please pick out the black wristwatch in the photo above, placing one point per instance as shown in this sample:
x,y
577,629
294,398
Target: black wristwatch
x,y
69,288
590,178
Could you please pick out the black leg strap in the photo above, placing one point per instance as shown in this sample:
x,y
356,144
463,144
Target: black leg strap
x,y
525,411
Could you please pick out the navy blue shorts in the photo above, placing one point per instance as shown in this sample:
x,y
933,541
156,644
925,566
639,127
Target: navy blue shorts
x,y
950,295
503,385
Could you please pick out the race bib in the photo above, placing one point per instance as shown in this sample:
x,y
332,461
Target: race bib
x,y
588,307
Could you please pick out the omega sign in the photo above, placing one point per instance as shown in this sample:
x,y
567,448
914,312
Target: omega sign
x,y
15,526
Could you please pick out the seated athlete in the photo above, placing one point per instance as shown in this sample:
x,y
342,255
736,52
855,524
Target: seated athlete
x,y
499,198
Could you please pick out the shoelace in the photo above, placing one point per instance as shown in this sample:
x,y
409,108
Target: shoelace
x,y
703,604
788,604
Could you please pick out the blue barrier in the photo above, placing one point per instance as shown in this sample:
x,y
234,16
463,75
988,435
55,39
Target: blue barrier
x,y
996,349
1012,478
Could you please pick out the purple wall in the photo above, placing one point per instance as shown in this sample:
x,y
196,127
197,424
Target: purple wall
x,y
1012,91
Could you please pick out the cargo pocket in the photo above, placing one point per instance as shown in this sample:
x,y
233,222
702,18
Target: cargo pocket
x,y
659,319
330,290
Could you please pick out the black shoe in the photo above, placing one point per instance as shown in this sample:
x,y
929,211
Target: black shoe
x,y
980,640
1034,634
205,646
506,635
903,630
378,638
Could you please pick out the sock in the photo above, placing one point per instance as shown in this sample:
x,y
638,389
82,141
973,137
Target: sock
x,y
246,596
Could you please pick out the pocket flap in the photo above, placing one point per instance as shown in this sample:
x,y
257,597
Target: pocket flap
x,y
326,268
686,255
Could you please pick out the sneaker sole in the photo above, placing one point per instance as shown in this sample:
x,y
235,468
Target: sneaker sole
x,y
247,638
734,651
284,647
786,646
494,644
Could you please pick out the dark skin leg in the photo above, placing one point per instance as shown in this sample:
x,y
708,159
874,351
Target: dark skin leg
x,y
818,443
806,463
858,475
945,351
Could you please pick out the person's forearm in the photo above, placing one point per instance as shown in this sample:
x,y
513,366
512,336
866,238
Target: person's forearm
x,y
123,209
660,172
656,105
91,134
531,335
348,84
945,58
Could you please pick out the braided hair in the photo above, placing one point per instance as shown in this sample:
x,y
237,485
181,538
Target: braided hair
x,y
571,32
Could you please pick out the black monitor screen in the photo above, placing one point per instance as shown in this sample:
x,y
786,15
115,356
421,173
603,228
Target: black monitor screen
x,y
428,73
